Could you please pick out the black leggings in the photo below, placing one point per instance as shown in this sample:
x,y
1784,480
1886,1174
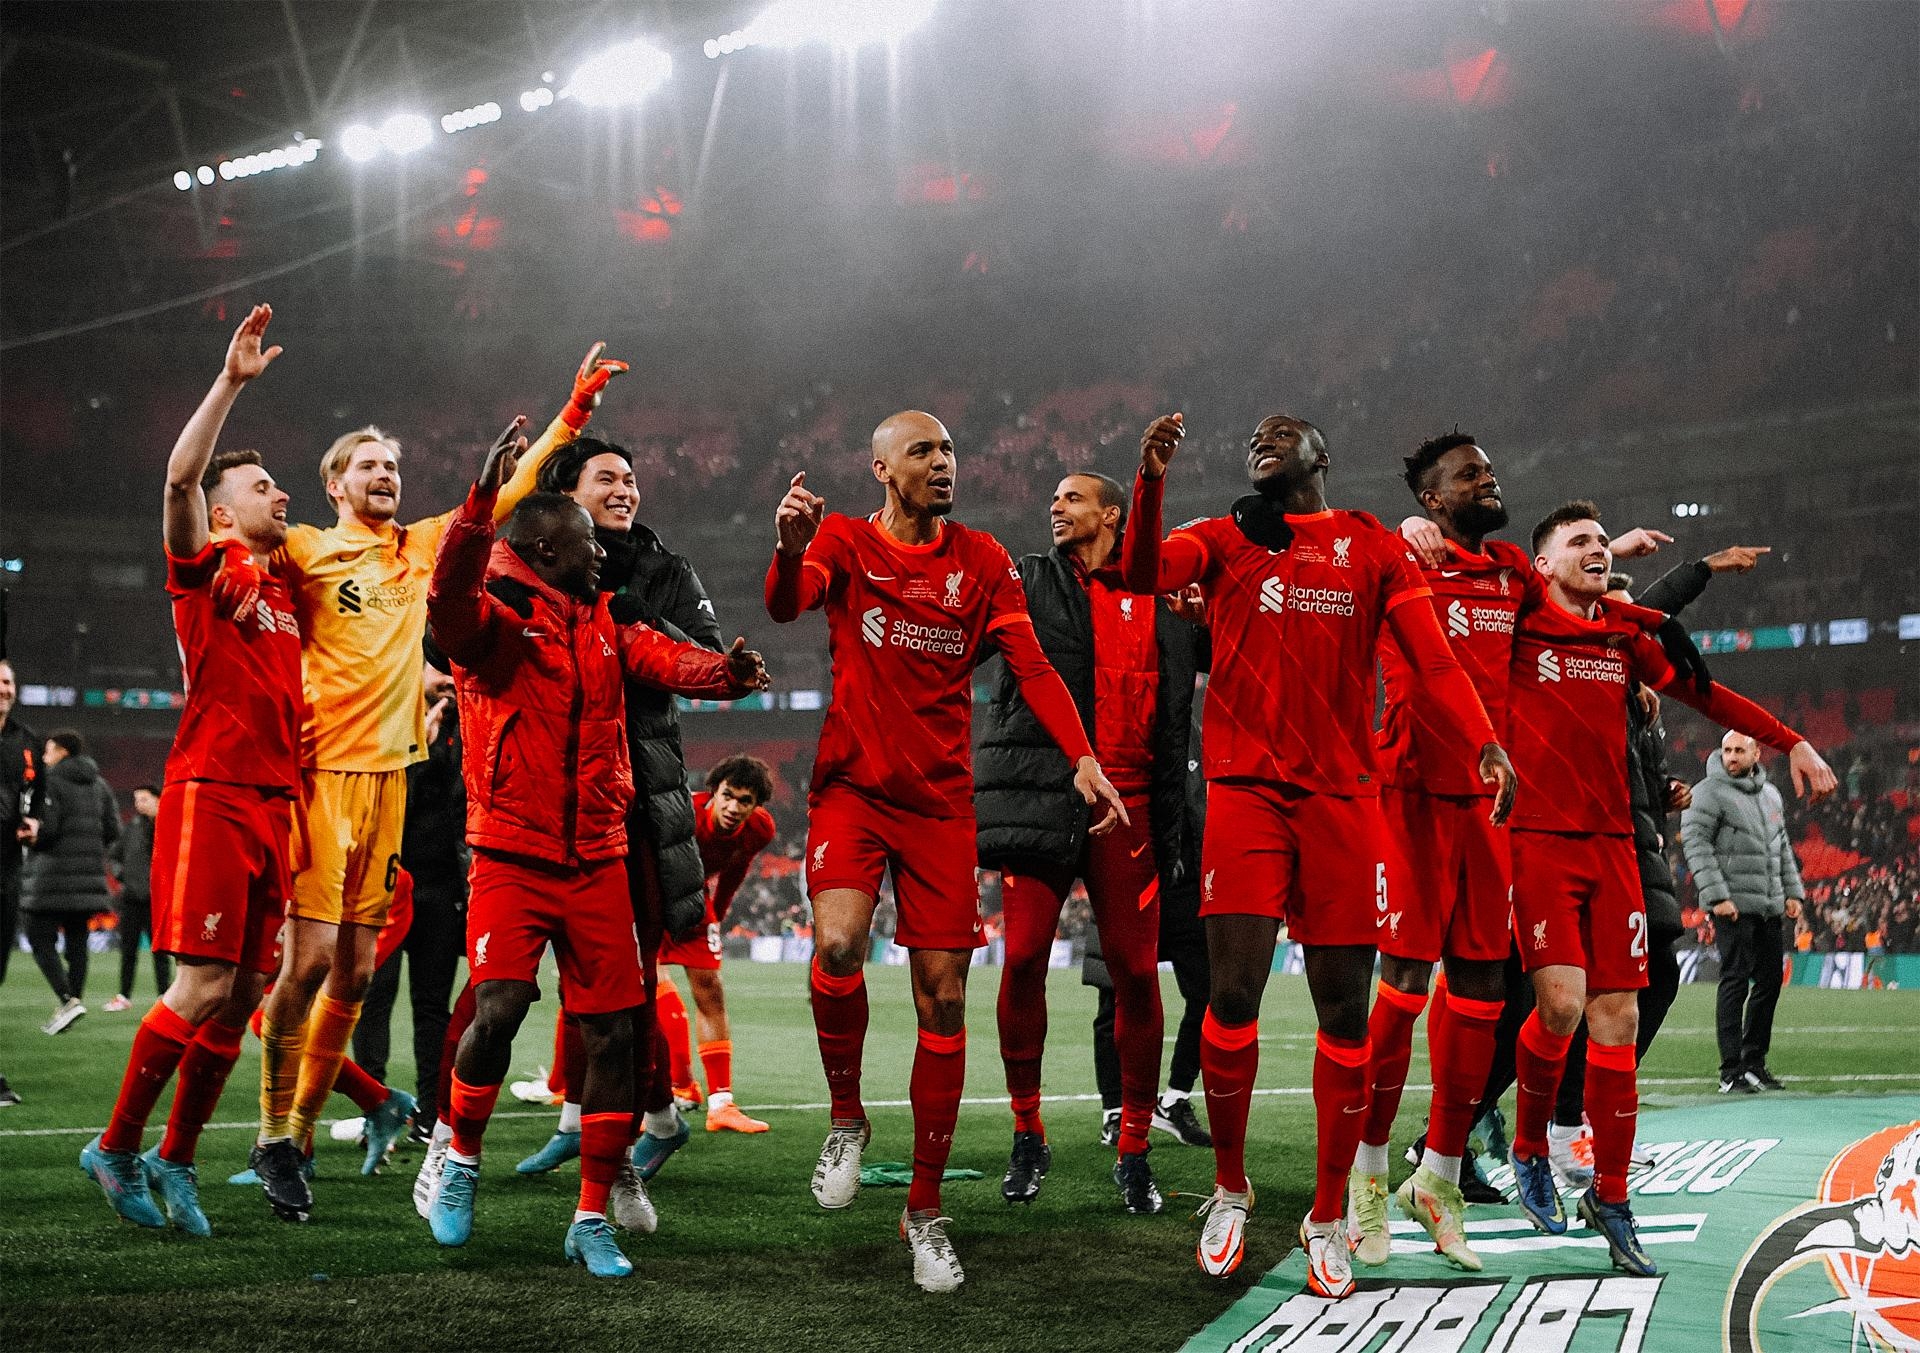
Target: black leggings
x,y
136,918
43,933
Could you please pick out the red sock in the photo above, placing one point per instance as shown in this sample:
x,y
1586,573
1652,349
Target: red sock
x,y
672,1013
1613,1106
1030,913
656,1089
158,1046
1339,1103
353,1081
557,1077
470,1108
203,1075
939,1073
604,1139
1461,1046
253,1020
716,1059
1138,1036
840,1019
457,1023
1390,1035
1538,1060
1229,1061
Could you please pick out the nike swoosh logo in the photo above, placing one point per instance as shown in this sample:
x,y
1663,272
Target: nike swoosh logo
x,y
534,634
1223,1094
1361,1109
1445,574
881,577
1136,851
1225,1250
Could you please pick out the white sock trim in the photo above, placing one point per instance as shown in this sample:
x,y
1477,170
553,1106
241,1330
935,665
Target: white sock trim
x,y
442,1132
581,1214
462,1157
1173,1096
569,1117
1371,1158
660,1122
719,1099
1447,1167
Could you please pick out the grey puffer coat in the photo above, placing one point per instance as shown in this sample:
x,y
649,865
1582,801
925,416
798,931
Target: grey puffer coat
x,y
1735,837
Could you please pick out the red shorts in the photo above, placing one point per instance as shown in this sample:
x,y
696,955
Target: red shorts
x,y
851,839
516,907
220,874
1577,901
1313,860
1449,878
701,949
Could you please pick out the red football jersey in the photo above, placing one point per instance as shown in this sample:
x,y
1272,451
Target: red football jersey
x,y
1294,637
727,856
905,626
241,725
1477,598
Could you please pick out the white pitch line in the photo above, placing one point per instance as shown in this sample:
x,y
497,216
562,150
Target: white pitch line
x,y
1271,1090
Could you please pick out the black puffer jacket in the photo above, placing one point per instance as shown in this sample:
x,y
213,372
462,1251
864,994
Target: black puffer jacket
x,y
1647,777
79,820
651,583
1023,795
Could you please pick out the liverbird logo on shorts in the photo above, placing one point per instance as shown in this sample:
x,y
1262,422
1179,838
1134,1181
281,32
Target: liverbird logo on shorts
x,y
820,856
480,950
954,579
1206,884
1539,934
210,927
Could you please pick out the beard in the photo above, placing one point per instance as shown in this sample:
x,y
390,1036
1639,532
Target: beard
x,y
1477,519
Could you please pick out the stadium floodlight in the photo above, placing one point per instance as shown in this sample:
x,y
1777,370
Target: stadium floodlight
x,y
620,75
533,100
360,143
204,173
840,23
477,116
182,180
404,133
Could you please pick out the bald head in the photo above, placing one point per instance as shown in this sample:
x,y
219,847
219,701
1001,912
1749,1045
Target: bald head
x,y
1739,753
913,456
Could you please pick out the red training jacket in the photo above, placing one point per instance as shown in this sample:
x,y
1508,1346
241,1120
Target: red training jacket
x,y
541,700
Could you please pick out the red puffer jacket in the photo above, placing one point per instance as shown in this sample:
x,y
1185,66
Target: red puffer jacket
x,y
542,706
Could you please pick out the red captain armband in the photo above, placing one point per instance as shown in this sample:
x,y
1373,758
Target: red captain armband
x,y
236,584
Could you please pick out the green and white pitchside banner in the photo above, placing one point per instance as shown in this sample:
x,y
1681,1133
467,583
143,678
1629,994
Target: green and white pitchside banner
x,y
1781,1225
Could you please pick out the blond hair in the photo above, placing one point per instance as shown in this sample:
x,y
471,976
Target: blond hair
x,y
340,455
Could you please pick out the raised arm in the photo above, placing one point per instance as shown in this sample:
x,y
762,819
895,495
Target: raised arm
x,y
461,611
184,508
1444,696
1730,709
1149,565
592,377
796,581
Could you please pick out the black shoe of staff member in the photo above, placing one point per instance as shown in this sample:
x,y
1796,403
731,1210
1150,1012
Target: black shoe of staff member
x,y
283,1178
1139,1194
1028,1165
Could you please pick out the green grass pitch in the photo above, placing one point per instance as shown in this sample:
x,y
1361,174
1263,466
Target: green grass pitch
x,y
743,1257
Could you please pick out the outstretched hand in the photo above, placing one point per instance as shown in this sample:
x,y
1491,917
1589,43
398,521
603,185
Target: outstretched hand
x,y
797,520
747,668
245,360
502,457
1159,442
1096,789
1496,769
1736,558
1813,778
1638,543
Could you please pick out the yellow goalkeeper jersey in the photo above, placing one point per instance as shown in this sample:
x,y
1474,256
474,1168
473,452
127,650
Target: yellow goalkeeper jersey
x,y
361,596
